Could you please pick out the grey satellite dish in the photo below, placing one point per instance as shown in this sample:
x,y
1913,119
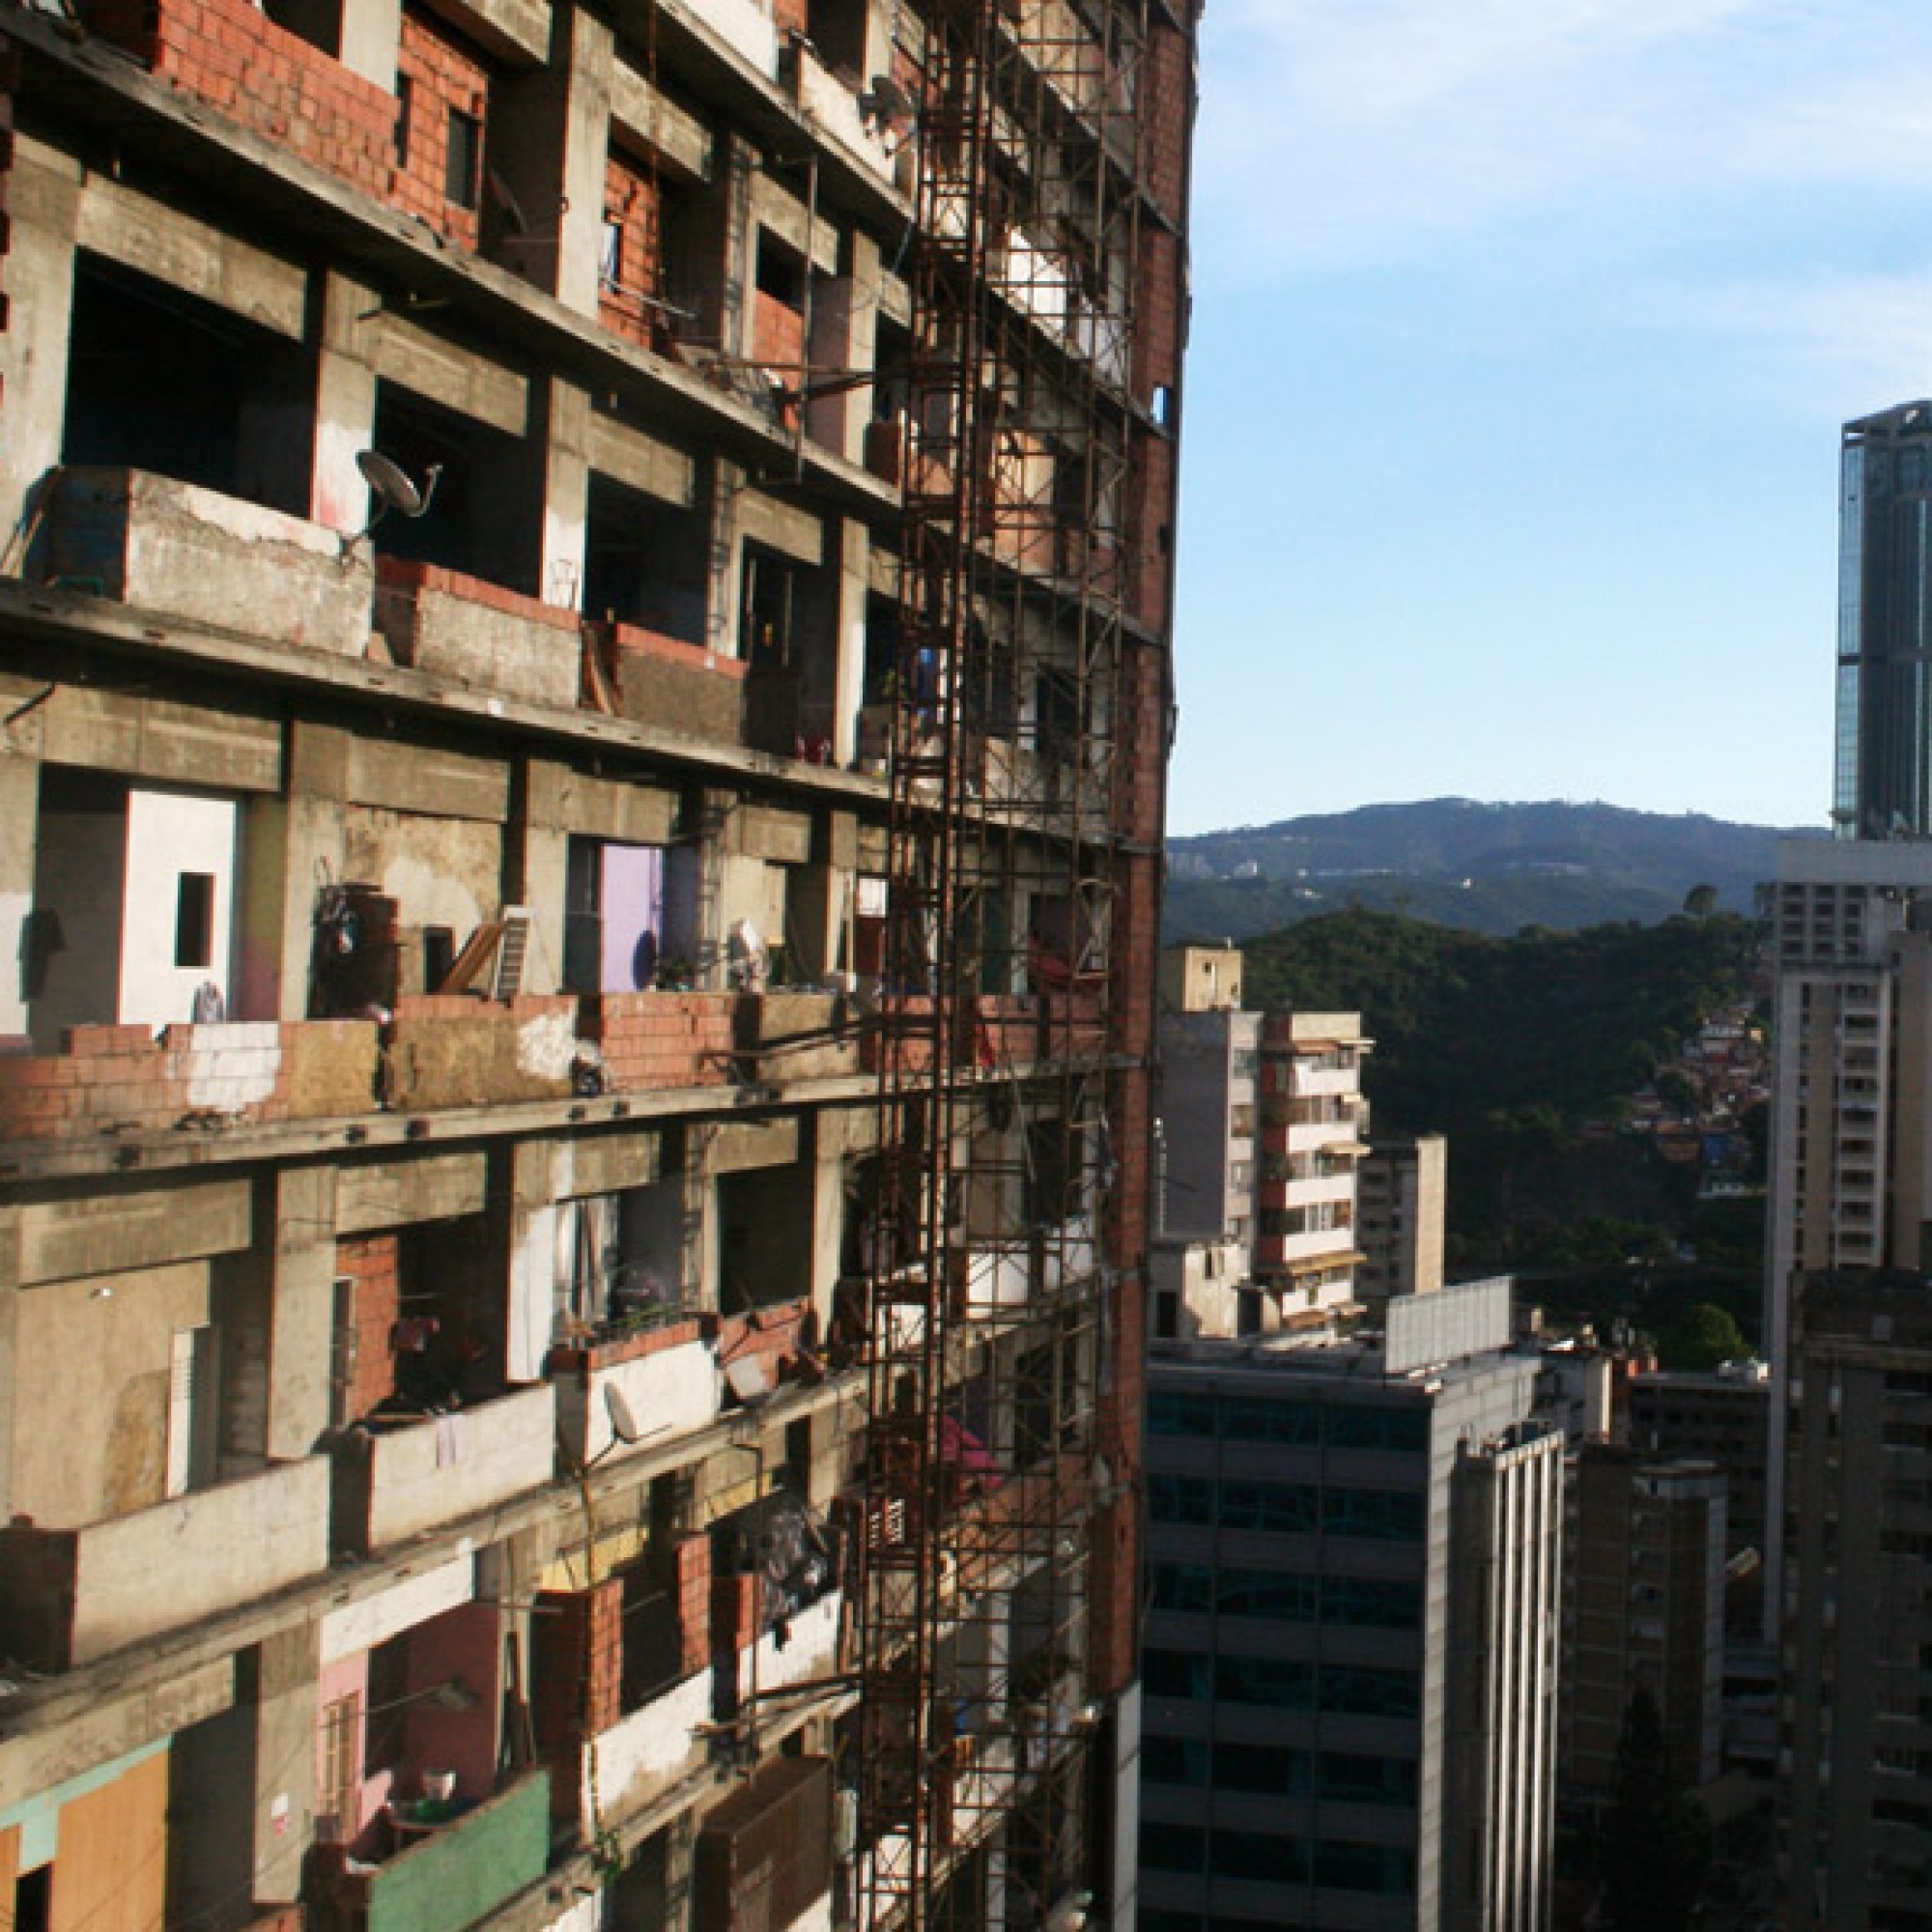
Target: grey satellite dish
x,y
623,1423
393,489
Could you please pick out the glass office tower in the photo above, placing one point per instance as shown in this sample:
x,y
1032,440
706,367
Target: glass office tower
x,y
1882,778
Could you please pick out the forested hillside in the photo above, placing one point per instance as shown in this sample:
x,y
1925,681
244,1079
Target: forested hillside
x,y
1523,1051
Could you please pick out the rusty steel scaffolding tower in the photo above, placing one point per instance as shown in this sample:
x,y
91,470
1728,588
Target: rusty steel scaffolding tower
x,y
989,1269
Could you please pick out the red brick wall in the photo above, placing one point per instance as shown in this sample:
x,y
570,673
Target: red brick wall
x,y
373,1264
1167,86
690,1584
442,74
632,199
231,55
1160,293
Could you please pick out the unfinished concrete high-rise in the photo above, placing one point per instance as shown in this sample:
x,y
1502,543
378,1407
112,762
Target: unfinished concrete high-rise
x,y
583,696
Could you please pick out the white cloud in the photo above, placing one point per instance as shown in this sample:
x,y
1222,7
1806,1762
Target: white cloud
x,y
1339,132
1842,343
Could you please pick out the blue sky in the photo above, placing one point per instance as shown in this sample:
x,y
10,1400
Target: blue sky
x,y
1524,331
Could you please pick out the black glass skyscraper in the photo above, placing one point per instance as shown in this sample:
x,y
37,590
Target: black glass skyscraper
x,y
1882,781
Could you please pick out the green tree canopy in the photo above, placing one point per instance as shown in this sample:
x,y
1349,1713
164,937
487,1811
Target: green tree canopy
x,y
1705,1337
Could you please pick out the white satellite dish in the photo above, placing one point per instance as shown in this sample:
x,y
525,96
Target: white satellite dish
x,y
623,1423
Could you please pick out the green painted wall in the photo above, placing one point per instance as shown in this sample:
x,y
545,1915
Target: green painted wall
x,y
465,1871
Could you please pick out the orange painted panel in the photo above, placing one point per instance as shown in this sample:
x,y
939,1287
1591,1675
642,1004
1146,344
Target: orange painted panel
x,y
111,1871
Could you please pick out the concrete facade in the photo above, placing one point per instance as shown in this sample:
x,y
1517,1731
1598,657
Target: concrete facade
x,y
450,993
1350,1672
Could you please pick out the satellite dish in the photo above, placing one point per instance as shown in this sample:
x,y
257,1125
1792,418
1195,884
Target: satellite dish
x,y
623,1423
393,489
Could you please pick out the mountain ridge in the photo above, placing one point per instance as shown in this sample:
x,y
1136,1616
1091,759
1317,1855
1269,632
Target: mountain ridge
x,y
1479,865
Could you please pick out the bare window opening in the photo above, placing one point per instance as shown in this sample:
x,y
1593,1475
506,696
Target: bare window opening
x,y
765,1221
780,273
404,107
33,1900
1164,404
439,944
788,638
194,919
837,29
463,163
643,562
163,381
485,517
319,22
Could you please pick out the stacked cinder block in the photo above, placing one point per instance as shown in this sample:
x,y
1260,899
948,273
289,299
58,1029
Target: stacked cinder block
x,y
449,1050
441,76
230,54
462,627
690,1584
654,1041
123,1078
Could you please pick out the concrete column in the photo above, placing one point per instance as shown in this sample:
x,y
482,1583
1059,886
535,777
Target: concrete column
x,y
566,495
43,213
372,29
828,1221
550,143
287,1668
536,860
855,579
345,401
19,816
532,1273
289,844
725,584
861,341
738,256
302,1323
710,925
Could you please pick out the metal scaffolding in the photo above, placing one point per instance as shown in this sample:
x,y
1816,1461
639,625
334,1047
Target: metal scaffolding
x,y
988,1272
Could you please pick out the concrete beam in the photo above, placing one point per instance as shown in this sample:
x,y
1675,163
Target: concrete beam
x,y
457,377
567,799
193,256
645,117
417,778
805,232
782,527
629,456
64,1238
398,1193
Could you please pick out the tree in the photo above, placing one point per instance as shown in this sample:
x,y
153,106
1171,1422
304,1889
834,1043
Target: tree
x,y
1701,901
1656,1846
1703,1338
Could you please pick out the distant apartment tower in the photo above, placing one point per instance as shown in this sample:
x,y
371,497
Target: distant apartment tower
x,y
1882,781
1351,1643
1313,1132
1851,1126
1646,1602
1858,1676
1401,1196
1209,1064
1723,1417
